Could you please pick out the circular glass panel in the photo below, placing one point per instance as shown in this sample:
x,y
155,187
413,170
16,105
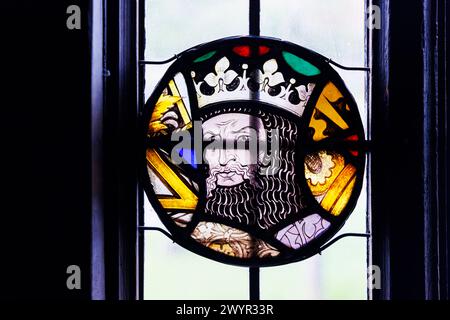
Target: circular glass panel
x,y
252,151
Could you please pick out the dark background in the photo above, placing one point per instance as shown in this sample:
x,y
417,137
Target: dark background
x,y
45,152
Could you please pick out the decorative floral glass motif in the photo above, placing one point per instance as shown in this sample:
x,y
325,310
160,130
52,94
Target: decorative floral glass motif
x,y
252,151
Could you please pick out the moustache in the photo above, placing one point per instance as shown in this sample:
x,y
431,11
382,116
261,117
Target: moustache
x,y
234,167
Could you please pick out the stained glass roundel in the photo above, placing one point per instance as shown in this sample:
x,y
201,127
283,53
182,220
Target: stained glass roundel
x,y
251,154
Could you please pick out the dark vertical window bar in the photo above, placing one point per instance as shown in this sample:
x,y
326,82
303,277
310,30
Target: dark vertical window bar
x,y
254,19
141,103
97,103
368,94
120,167
110,104
422,250
435,155
442,90
430,132
254,283
435,150
445,89
380,80
254,28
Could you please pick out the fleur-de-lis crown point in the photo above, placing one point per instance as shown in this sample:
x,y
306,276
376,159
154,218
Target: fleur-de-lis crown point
x,y
267,78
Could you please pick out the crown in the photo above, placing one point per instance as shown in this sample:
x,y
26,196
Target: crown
x,y
267,85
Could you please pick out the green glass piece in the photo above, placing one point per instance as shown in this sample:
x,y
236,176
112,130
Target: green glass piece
x,y
300,65
205,56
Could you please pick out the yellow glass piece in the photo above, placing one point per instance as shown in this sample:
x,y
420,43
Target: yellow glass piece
x,y
161,107
321,181
156,127
330,94
319,127
344,198
180,104
340,191
187,199
166,101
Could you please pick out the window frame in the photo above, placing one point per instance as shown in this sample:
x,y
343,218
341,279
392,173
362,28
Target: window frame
x,y
413,262
425,140
254,29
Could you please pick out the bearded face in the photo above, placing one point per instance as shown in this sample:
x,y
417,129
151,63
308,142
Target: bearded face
x,y
232,154
236,188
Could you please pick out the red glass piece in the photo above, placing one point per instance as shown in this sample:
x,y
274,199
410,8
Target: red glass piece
x,y
243,51
262,50
352,138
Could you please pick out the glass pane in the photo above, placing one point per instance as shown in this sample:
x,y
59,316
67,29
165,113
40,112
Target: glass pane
x,y
176,25
173,26
338,273
336,30
172,272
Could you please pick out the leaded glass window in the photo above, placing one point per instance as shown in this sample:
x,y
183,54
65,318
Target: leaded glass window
x,y
253,151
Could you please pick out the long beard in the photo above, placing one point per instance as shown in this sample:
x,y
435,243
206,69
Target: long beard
x,y
262,200
236,203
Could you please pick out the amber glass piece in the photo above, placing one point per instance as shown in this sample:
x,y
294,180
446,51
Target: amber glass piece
x,y
186,198
329,98
170,112
330,180
321,169
344,198
340,191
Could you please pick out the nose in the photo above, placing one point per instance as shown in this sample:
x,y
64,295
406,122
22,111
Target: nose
x,y
226,156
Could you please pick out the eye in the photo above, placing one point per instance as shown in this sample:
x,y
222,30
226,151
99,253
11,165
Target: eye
x,y
209,137
243,142
243,138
